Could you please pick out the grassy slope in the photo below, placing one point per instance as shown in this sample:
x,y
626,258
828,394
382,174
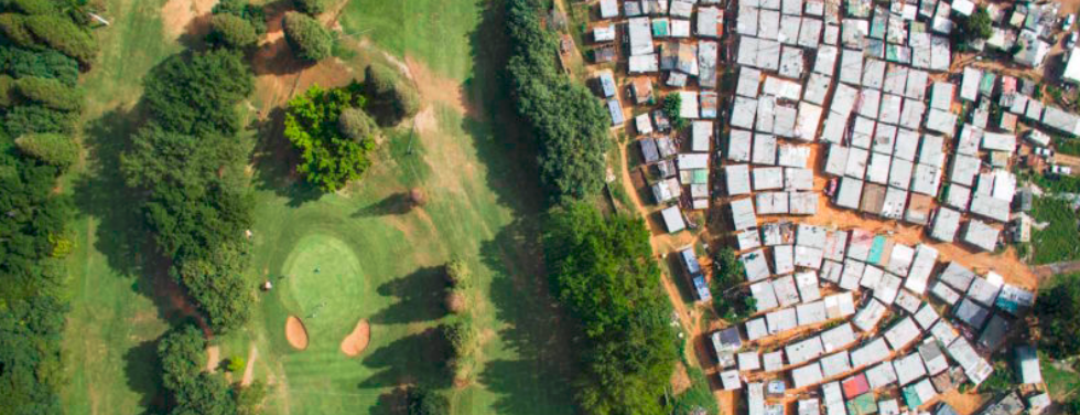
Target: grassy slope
x,y
113,321
482,206
1057,242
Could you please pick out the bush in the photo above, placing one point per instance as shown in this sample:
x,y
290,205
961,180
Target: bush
x,y
232,32
673,109
307,37
50,93
310,7
356,125
249,399
62,34
329,159
237,364
13,28
423,401
54,149
458,273
23,63
390,95
254,15
29,119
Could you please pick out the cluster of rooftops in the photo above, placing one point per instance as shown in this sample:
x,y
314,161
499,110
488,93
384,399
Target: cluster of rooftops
x,y
848,313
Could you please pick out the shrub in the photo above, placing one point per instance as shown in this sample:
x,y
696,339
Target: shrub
x,y
50,93
1056,309
390,94
22,63
310,7
423,401
329,159
254,15
62,34
356,125
307,37
237,364
458,273
13,28
456,302
232,32
54,149
28,119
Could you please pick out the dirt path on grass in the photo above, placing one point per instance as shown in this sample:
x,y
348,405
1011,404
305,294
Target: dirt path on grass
x,y
213,358
249,371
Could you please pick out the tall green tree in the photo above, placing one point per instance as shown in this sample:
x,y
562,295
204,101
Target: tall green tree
x,y
329,157
307,37
603,273
1056,310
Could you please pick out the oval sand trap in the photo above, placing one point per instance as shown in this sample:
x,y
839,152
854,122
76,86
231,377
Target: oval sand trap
x,y
295,333
357,341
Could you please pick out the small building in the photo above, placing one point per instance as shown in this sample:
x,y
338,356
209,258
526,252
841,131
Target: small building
x,y
946,224
609,9
972,314
673,220
755,265
981,235
808,375
615,110
909,368
993,335
742,214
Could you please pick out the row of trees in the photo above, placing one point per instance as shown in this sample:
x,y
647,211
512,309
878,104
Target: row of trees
x,y
603,273
335,129
42,50
565,118
461,331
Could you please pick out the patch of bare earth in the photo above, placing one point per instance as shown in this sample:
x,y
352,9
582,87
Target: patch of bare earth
x,y
192,17
213,358
249,371
680,380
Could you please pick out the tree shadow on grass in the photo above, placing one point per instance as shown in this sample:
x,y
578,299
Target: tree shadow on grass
x,y
396,204
417,358
275,159
391,403
142,368
538,378
419,297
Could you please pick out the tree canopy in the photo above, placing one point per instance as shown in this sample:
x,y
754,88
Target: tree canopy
x,y
329,157
1056,310
232,31
307,37
53,149
975,27
196,93
603,273
389,96
569,123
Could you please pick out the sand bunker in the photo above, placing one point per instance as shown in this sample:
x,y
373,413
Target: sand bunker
x,y
357,341
296,333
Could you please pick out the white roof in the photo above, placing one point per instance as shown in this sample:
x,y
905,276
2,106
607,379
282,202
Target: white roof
x,y
901,334
921,267
881,375
835,364
838,337
673,219
807,375
909,368
1072,68
764,296
804,351
871,352
969,87
754,264
810,314
868,317
641,41
756,329
609,9
781,320
743,215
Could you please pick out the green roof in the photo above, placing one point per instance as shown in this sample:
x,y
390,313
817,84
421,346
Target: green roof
x,y
911,397
701,176
862,405
660,28
877,249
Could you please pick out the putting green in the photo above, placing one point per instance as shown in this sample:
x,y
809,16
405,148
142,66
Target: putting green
x,y
325,282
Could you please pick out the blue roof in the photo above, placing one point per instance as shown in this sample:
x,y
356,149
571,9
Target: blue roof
x,y
616,111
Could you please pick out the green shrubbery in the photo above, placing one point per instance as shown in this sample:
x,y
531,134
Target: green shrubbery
x,y
307,37
730,305
60,33
231,31
29,119
329,159
604,275
53,149
569,123
389,95
355,124
22,63
423,401
196,94
49,93
254,15
7,91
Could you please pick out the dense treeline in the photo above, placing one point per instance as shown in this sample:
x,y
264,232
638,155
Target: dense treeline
x,y
603,273
42,49
187,162
1057,309
568,122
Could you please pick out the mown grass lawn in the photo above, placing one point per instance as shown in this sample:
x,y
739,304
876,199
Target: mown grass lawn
x,y
377,258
